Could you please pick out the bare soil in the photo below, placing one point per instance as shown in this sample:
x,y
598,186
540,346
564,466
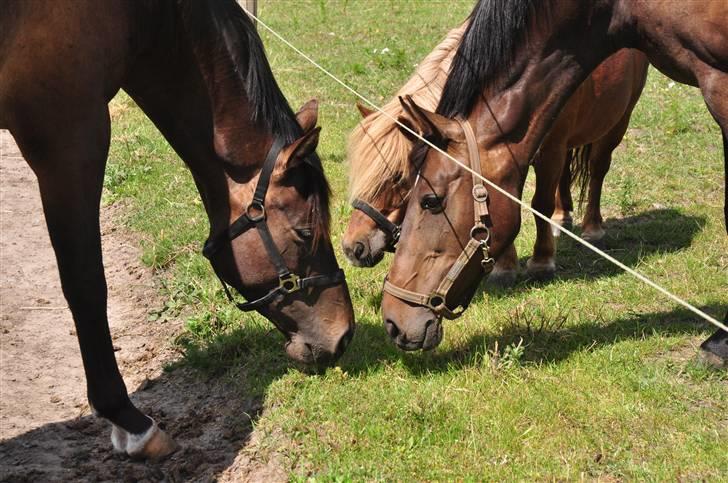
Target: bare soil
x,y
46,430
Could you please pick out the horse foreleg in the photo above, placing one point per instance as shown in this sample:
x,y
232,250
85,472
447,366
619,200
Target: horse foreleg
x,y
69,160
715,94
563,213
542,265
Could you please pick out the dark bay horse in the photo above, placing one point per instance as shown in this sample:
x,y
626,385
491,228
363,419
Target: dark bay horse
x,y
517,66
380,174
198,70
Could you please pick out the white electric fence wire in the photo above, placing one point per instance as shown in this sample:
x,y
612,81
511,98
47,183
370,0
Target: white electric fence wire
x,y
596,250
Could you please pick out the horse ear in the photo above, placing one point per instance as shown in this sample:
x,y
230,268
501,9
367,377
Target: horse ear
x,y
364,110
297,152
430,123
410,126
307,116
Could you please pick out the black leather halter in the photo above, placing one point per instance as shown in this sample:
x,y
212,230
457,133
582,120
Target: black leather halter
x,y
391,230
255,217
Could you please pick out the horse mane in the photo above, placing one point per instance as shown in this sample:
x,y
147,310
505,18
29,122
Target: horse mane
x,y
488,47
377,151
234,35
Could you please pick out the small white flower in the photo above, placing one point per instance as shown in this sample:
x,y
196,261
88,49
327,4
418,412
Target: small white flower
x,y
331,34
670,85
385,50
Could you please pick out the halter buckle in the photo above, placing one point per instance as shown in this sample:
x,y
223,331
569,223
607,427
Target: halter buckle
x,y
255,206
396,231
480,193
289,283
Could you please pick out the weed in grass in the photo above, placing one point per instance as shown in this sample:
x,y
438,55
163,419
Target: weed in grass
x,y
627,202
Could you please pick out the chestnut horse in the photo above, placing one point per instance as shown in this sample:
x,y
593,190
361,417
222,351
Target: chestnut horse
x,y
518,64
594,120
199,71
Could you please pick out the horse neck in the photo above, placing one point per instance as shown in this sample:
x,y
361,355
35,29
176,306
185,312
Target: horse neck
x,y
222,45
171,86
515,114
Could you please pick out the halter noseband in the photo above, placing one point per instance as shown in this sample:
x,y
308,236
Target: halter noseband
x,y
391,230
255,217
477,246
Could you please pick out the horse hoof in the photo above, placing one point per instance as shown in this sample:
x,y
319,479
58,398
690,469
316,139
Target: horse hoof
x,y
714,350
153,445
503,278
593,235
541,271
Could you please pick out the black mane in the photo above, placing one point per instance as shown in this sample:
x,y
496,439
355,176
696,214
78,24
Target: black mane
x,y
236,36
486,49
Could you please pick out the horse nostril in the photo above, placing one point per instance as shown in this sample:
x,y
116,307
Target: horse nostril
x,y
358,250
391,328
344,342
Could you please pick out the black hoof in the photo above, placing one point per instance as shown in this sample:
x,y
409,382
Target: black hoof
x,y
715,348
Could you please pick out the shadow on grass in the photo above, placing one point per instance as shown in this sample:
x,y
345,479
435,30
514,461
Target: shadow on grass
x,y
550,342
630,240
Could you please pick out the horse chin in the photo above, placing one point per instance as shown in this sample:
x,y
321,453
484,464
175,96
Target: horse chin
x,y
432,339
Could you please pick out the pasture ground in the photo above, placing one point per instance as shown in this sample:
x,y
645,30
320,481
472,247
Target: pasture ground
x,y
591,375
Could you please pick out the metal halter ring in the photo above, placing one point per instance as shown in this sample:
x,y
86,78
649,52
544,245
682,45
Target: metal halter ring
x,y
289,283
257,206
436,302
480,228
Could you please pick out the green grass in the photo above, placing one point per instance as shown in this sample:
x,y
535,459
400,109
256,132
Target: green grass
x,y
590,376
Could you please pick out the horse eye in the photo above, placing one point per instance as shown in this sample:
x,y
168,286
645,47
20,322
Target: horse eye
x,y
432,203
304,233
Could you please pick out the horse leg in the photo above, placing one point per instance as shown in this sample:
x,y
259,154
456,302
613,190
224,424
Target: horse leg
x,y
601,159
715,93
505,272
69,164
564,204
542,264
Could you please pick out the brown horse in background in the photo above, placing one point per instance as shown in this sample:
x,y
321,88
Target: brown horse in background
x,y
199,72
517,66
596,119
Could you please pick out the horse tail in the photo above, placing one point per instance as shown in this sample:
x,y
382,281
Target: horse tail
x,y
578,161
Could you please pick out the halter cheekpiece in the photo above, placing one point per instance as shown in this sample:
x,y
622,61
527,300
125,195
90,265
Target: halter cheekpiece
x,y
391,230
255,217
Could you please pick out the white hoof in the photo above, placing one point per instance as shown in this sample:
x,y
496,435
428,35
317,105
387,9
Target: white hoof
x,y
153,444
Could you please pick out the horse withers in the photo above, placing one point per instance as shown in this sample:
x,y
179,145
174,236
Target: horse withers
x,y
199,72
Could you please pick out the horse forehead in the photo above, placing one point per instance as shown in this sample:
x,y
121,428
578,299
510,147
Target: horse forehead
x,y
441,170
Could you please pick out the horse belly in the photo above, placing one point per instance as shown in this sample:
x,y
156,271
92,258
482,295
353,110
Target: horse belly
x,y
607,94
61,53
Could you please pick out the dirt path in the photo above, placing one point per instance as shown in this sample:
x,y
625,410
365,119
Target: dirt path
x,y
46,431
